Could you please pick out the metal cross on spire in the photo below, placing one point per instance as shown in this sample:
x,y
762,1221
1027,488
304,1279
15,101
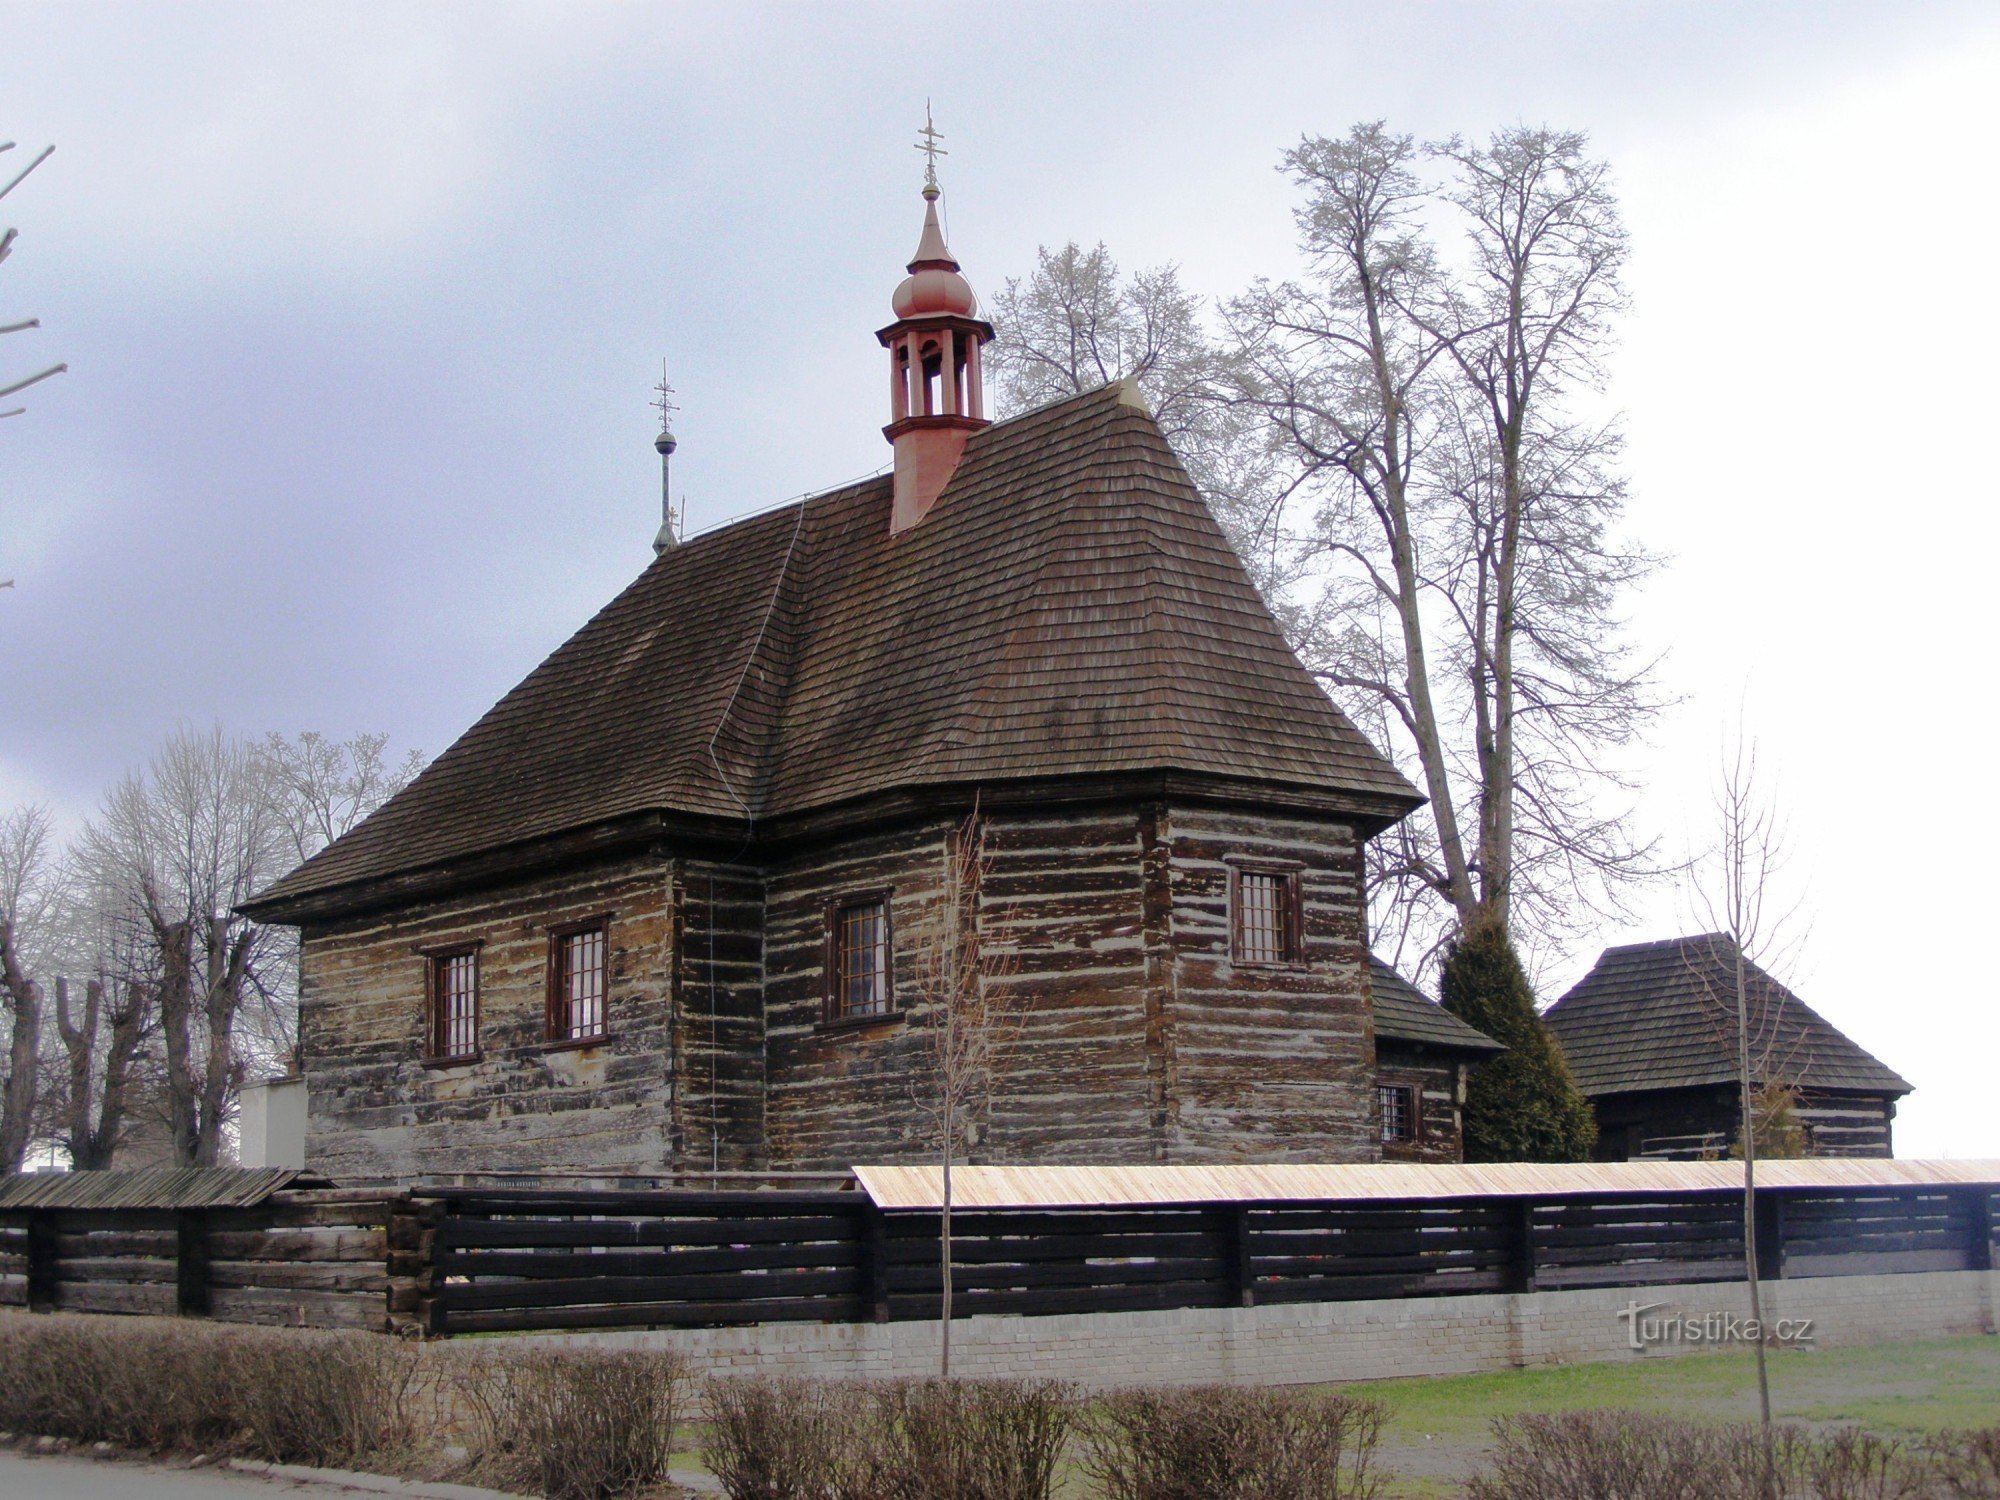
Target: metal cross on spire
x,y
663,401
931,149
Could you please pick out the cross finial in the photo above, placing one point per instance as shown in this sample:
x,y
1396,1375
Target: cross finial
x,y
663,401
932,151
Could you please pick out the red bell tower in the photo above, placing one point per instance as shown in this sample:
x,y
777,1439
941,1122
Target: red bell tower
x,y
936,399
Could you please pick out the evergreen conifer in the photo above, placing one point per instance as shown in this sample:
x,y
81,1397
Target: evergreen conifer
x,y
1522,1105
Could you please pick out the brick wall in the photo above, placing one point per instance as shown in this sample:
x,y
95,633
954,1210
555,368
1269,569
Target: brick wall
x,y
1307,1343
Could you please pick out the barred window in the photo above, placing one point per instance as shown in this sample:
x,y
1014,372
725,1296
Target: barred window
x,y
1399,1112
577,982
1266,927
859,954
454,1003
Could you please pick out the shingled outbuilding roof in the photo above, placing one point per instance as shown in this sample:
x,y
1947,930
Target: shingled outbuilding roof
x,y
1662,1016
1404,1013
1068,608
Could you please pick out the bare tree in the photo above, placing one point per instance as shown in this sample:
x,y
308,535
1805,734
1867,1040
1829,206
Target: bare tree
x,y
101,1047
1076,322
1732,892
28,892
1460,510
322,787
969,1022
175,850
6,249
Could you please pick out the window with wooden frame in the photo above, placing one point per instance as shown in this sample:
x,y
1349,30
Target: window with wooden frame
x,y
1265,924
1399,1112
579,980
451,1003
860,980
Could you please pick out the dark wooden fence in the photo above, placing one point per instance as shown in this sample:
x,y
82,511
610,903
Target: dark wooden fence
x,y
452,1260
501,1260
320,1259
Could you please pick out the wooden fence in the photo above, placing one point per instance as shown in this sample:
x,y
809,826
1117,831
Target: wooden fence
x,y
449,1260
498,1260
320,1259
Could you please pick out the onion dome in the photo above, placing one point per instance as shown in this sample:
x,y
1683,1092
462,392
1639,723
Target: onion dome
x,y
933,287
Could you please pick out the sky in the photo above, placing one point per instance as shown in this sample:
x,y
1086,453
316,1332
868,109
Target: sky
x,y
363,306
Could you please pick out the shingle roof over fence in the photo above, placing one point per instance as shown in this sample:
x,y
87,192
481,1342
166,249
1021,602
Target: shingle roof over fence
x,y
1090,1187
1069,606
1662,1015
151,1187
1404,1013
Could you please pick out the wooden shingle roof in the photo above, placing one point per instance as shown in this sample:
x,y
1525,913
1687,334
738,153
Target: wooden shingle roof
x,y
1404,1013
1662,1016
1069,607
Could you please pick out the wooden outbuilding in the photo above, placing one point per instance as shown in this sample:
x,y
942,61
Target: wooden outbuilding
x,y
1651,1035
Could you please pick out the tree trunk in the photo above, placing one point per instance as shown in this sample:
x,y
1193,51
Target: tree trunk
x,y
944,1257
17,1107
1409,613
1749,1128
176,1007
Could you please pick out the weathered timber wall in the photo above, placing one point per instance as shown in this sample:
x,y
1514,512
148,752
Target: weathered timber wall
x,y
379,1111
305,1259
718,1077
1690,1123
1437,1080
1271,1063
1142,1041
1061,906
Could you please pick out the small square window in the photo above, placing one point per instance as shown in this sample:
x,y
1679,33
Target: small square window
x,y
454,1004
1399,1113
577,982
859,978
1266,924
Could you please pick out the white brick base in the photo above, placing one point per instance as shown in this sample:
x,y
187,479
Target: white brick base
x,y
1323,1341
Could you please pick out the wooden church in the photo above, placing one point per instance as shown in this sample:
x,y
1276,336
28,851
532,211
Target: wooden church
x,y
650,914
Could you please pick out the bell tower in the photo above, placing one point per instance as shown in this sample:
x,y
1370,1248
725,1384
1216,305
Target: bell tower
x,y
936,395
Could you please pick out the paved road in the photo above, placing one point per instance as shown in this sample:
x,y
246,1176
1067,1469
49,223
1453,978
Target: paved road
x,y
66,1477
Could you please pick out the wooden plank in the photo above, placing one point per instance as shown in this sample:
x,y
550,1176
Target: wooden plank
x,y
161,1243
295,1244
849,1309
297,1308
69,1221
663,1202
118,1269
116,1297
356,1213
972,1250
651,1289
523,1233
299,1276
537,1265
1372,1288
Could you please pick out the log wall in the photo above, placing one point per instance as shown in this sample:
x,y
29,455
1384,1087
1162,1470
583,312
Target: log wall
x,y
304,1259
379,1112
1275,1063
1440,1084
1143,1041
1689,1124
